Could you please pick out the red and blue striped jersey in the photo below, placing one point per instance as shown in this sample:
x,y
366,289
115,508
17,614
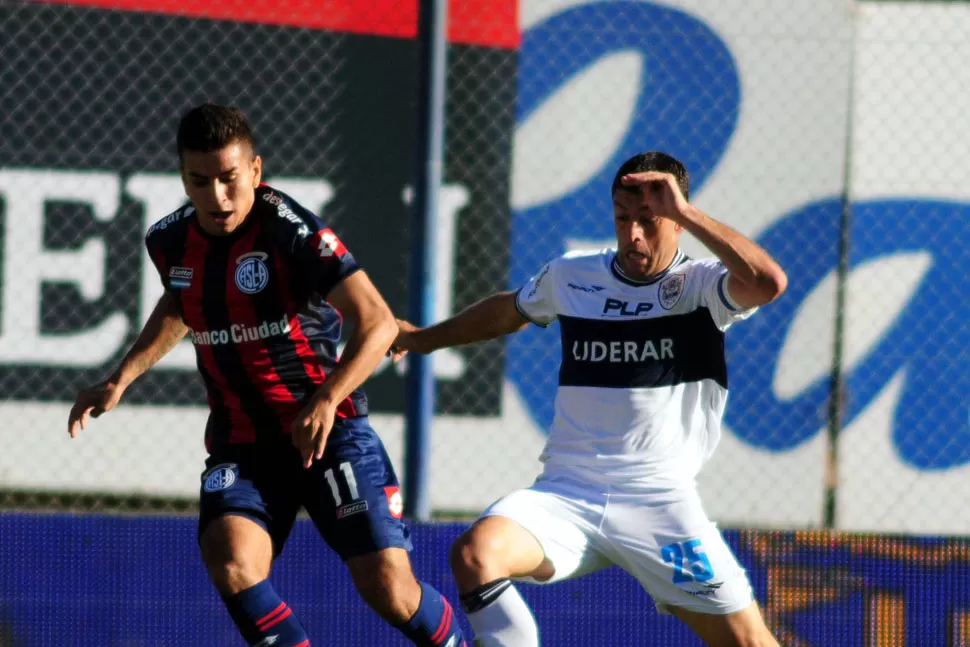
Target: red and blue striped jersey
x,y
255,303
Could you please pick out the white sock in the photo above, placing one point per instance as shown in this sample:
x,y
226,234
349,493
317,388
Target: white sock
x,y
500,617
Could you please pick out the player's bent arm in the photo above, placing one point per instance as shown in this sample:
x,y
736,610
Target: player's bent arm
x,y
754,277
356,298
162,331
492,317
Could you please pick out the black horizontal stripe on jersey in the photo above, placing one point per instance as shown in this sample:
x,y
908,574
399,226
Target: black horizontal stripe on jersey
x,y
649,352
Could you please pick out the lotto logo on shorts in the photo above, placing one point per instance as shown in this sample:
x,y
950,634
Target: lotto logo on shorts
x,y
395,503
220,477
351,508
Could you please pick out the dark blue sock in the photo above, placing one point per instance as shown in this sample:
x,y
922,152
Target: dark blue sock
x,y
434,623
261,615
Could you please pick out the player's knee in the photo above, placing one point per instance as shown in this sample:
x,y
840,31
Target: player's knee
x,y
232,575
231,567
475,553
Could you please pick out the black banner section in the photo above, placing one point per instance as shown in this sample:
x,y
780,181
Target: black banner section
x,y
89,102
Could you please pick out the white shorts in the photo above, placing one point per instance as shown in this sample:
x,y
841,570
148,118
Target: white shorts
x,y
666,542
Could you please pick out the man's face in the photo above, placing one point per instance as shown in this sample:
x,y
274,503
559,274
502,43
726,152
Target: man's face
x,y
645,242
222,185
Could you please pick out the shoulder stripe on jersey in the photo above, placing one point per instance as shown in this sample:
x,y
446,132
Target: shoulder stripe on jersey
x,y
721,293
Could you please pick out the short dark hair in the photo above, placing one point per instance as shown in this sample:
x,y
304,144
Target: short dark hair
x,y
211,126
654,161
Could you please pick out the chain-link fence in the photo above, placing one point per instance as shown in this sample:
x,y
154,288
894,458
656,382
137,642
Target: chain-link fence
x,y
785,114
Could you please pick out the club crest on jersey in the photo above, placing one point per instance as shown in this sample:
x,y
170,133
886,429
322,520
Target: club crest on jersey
x,y
252,275
180,278
220,477
671,289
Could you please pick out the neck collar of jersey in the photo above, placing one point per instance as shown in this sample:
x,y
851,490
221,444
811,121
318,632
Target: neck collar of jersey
x,y
622,277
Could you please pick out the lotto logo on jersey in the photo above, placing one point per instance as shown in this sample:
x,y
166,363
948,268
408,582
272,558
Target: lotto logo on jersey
x,y
395,502
329,245
238,333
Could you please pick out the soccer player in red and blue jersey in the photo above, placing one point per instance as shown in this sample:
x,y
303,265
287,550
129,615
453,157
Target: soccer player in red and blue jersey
x,y
262,287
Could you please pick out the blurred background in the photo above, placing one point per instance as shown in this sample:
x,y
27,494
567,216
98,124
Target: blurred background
x,y
835,133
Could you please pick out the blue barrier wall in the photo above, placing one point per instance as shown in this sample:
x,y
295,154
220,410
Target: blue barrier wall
x,y
102,581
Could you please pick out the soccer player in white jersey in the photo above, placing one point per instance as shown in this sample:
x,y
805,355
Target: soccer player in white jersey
x,y
642,389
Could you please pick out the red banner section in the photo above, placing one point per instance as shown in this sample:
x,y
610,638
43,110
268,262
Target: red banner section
x,y
488,23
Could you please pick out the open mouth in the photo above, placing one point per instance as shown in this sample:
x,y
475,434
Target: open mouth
x,y
220,216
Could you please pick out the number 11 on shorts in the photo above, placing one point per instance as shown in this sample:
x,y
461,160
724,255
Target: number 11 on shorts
x,y
690,562
348,473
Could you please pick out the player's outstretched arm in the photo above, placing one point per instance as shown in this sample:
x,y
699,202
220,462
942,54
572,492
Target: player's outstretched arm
x,y
355,298
162,331
755,278
491,317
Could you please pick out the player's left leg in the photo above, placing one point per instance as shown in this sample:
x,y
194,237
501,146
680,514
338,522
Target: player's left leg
x,y
682,560
745,628
244,519
353,497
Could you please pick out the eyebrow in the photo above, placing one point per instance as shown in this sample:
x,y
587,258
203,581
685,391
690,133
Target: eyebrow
x,y
617,203
205,177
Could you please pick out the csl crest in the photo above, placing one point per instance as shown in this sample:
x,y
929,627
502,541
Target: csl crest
x,y
252,275
220,477
671,289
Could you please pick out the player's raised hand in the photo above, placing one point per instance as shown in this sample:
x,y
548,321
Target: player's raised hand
x,y
93,401
661,191
311,429
405,341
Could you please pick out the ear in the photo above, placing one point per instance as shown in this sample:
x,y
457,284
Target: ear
x,y
257,171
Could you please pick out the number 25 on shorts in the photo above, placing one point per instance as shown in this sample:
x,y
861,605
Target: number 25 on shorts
x,y
690,562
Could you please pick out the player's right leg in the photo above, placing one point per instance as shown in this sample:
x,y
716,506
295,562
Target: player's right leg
x,y
540,534
245,516
670,545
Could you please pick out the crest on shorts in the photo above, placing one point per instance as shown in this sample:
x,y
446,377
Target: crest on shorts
x,y
671,289
220,477
252,275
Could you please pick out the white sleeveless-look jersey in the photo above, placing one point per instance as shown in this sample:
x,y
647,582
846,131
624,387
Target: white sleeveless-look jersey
x,y
643,378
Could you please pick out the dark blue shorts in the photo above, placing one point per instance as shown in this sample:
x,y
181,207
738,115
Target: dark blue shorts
x,y
352,495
